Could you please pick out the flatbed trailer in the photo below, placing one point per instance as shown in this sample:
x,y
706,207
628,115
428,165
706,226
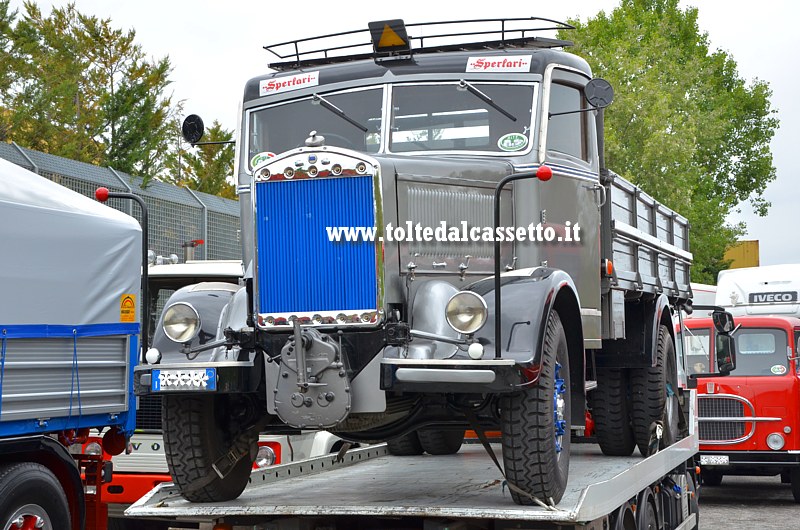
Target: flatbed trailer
x,y
369,488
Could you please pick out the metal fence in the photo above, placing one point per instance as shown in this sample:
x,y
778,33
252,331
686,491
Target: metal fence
x,y
176,215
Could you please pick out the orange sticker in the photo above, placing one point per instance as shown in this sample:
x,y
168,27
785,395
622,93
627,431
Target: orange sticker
x,y
127,308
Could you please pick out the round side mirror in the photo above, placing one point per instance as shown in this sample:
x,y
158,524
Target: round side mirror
x,y
599,93
192,128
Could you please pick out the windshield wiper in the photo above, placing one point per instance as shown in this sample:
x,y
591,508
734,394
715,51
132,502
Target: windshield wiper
x,y
462,84
336,110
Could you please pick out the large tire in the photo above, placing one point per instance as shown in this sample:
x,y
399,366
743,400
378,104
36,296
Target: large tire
x,y
536,425
654,396
610,405
441,442
29,490
406,445
197,435
794,481
711,478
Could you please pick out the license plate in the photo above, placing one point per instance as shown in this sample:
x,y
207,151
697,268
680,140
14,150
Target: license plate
x,y
714,460
188,380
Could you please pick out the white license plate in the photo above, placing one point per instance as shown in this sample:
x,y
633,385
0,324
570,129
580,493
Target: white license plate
x,y
200,379
714,460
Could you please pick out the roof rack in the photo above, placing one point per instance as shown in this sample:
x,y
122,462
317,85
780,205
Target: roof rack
x,y
346,46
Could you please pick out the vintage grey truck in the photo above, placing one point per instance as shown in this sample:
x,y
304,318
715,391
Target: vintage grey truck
x,y
490,272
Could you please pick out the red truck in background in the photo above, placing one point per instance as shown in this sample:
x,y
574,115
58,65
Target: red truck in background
x,y
749,421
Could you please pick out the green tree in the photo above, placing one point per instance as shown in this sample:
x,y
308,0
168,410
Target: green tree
x,y
684,125
205,168
84,90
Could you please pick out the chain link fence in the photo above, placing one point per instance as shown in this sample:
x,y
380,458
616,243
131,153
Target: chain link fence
x,y
177,216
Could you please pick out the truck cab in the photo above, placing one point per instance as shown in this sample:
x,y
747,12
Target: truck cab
x,y
749,420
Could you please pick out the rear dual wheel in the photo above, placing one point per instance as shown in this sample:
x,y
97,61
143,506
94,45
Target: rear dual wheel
x,y
429,440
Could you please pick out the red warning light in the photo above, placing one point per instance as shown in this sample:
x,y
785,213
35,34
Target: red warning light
x,y
101,194
544,173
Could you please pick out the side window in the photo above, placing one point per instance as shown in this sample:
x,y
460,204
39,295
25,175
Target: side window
x,y
566,133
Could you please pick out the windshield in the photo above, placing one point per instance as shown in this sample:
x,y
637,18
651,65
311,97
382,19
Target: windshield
x,y
455,116
760,352
461,116
340,117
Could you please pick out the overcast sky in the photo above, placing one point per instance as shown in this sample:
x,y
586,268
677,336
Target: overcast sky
x,y
216,46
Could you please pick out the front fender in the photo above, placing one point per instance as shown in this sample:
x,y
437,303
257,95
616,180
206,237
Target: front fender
x,y
214,302
527,297
219,305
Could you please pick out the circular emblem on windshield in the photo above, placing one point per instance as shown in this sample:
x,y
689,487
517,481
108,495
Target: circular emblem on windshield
x,y
512,142
778,369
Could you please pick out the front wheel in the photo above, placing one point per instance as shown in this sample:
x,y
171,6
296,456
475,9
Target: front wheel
x,y
32,497
209,457
536,425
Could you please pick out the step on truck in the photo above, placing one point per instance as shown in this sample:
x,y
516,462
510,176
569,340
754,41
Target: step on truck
x,y
432,243
69,327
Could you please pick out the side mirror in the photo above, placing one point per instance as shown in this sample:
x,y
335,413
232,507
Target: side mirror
x,y
192,128
726,353
599,93
723,321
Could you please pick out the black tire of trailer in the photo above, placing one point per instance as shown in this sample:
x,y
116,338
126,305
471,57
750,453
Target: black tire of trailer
x,y
711,478
624,518
406,445
610,407
198,435
530,458
30,489
646,511
692,481
654,396
441,442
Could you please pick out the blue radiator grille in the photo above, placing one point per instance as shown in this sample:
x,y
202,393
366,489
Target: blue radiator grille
x,y
299,269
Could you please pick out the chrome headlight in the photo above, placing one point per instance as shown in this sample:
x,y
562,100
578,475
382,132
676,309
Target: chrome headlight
x,y
265,457
181,322
775,441
466,312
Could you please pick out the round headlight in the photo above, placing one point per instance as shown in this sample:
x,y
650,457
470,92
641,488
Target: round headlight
x,y
775,441
181,322
265,457
466,312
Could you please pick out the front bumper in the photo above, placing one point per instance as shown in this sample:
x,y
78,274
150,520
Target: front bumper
x,y
229,377
751,462
451,376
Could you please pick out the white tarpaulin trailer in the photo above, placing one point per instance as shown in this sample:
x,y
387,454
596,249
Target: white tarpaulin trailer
x,y
69,306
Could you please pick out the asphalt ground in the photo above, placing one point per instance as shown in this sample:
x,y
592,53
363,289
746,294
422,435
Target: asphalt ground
x,y
751,503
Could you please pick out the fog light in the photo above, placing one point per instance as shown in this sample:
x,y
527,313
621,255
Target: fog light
x,y
181,322
265,457
466,312
775,441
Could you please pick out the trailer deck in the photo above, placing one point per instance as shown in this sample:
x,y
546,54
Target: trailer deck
x,y
369,482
